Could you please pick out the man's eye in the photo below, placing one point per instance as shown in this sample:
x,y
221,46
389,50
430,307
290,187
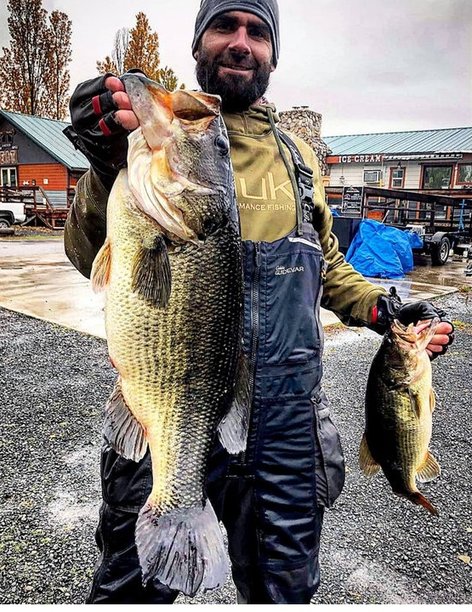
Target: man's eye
x,y
257,33
223,27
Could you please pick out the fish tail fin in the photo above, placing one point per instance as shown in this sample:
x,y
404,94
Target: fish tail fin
x,y
182,548
101,266
429,469
234,427
152,273
123,432
420,500
367,463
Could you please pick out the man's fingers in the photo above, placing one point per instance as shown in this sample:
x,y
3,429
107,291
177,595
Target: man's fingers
x,y
444,327
114,84
122,100
127,119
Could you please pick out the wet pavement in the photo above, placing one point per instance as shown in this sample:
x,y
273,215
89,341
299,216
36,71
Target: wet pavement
x,y
376,548
37,279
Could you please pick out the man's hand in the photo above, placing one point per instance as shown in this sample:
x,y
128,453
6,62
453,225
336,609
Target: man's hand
x,y
101,118
124,116
390,307
443,337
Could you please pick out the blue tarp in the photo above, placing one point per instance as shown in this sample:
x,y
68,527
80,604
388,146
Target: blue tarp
x,y
381,251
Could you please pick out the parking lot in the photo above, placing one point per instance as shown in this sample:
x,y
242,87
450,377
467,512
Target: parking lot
x,y
56,377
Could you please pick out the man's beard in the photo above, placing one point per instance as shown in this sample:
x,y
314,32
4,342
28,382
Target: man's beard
x,y
237,93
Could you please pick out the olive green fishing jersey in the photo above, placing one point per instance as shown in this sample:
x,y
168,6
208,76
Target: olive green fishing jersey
x,y
266,206
264,191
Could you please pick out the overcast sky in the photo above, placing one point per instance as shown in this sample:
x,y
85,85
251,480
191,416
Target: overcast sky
x,y
365,65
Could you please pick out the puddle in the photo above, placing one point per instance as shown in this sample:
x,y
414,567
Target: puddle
x,y
37,279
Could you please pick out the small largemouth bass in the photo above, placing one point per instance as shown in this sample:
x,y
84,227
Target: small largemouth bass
x,y
172,270
399,404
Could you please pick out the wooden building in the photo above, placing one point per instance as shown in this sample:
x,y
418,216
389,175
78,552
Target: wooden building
x,y
38,162
425,160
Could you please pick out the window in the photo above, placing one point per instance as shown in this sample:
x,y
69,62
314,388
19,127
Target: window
x,y
397,178
372,176
8,177
6,139
465,173
437,177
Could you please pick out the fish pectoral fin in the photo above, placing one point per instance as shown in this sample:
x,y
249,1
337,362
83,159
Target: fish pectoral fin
x,y
415,403
367,463
123,432
432,400
151,276
429,469
234,426
101,267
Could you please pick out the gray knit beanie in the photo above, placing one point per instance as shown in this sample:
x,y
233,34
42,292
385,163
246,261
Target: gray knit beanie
x,y
267,10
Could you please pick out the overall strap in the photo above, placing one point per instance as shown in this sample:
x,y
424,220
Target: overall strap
x,y
304,176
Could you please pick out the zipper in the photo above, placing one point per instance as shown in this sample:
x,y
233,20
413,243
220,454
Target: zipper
x,y
319,326
254,344
255,311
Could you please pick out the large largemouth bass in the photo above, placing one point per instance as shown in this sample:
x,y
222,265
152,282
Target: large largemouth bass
x,y
399,404
171,266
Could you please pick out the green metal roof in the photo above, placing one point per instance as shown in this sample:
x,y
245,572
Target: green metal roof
x,y
47,134
453,140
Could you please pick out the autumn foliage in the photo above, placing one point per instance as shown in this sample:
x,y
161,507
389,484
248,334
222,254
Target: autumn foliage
x,y
34,75
138,48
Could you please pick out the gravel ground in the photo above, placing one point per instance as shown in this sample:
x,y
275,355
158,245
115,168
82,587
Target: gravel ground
x,y
376,548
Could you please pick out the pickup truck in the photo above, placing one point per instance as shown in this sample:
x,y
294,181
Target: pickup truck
x,y
11,212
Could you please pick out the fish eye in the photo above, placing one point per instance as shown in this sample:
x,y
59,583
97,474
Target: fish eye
x,y
222,145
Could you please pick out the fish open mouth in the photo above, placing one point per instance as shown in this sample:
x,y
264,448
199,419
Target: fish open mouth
x,y
417,335
153,166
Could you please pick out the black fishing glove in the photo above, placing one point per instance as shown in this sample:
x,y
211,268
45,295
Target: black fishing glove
x,y
390,307
94,130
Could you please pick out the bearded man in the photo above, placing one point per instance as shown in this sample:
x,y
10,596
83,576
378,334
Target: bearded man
x,y
271,498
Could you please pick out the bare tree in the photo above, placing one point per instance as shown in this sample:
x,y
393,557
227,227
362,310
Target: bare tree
x,y
138,48
120,48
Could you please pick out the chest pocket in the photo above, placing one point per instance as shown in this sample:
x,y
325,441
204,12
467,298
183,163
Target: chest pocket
x,y
291,288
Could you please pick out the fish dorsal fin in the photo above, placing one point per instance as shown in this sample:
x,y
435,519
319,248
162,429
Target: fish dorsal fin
x,y
101,266
367,463
151,276
121,429
429,469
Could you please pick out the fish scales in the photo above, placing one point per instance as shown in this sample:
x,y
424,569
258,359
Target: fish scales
x,y
171,266
144,347
399,405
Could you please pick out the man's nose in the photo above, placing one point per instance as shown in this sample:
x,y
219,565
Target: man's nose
x,y
240,41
